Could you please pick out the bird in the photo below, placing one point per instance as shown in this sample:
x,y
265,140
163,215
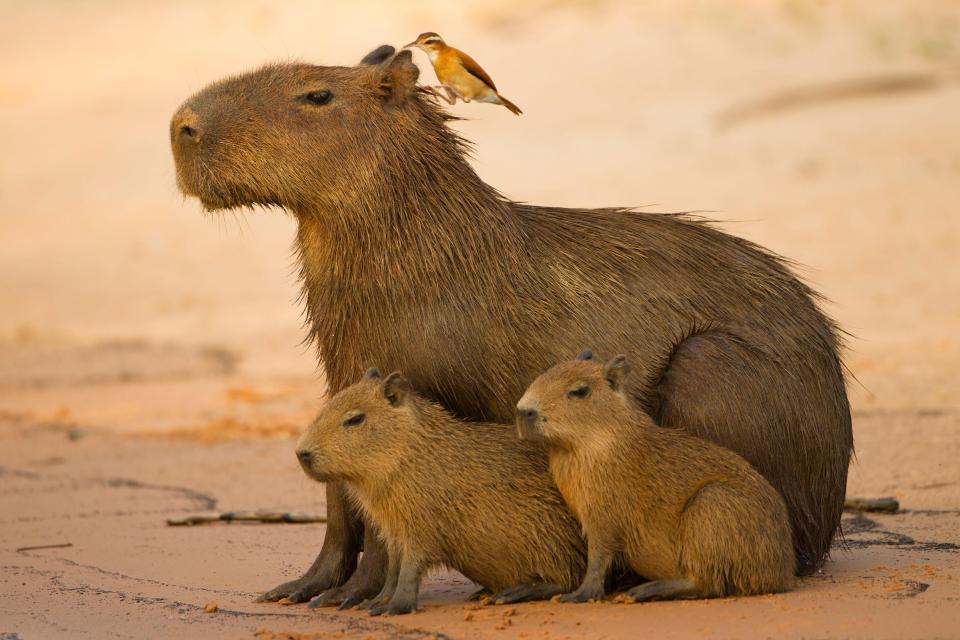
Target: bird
x,y
459,74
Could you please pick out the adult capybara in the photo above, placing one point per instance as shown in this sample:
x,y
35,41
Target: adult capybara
x,y
445,493
408,259
692,517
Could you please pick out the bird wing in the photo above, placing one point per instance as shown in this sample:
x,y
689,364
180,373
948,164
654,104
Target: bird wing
x,y
474,69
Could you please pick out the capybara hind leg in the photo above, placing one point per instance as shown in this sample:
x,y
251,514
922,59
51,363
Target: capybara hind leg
x,y
787,415
663,590
338,556
526,593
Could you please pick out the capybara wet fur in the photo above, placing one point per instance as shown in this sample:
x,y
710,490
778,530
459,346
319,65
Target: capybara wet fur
x,y
692,517
445,493
409,260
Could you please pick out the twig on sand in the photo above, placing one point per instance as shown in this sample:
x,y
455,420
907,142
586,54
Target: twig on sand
x,y
887,504
62,545
272,517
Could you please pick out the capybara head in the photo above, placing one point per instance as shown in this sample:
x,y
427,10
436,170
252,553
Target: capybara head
x,y
360,431
299,135
570,402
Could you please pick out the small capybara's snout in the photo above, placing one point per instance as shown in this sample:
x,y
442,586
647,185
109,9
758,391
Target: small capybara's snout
x,y
528,420
306,459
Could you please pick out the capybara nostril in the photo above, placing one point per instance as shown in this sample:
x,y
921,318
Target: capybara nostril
x,y
186,125
526,415
305,457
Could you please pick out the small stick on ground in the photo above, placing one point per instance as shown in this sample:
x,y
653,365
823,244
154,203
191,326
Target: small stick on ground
x,y
62,545
247,516
887,504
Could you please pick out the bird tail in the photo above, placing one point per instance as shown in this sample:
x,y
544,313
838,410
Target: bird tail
x,y
509,105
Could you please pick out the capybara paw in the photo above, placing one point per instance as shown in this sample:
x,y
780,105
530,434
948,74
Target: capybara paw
x,y
350,601
479,594
368,604
279,593
295,591
328,598
512,595
581,596
393,608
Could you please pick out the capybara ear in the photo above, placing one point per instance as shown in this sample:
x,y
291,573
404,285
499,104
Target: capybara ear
x,y
372,374
395,388
616,371
399,79
378,55
586,354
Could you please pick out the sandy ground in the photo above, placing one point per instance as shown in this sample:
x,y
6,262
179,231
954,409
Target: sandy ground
x,y
150,356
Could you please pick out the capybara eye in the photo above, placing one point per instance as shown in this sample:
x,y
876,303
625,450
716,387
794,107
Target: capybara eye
x,y
355,420
579,393
318,97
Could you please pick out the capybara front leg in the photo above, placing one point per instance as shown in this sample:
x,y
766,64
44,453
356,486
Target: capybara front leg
x,y
338,556
404,599
366,581
389,585
593,587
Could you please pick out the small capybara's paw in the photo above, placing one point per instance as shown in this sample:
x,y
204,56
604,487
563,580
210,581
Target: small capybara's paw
x,y
350,601
328,598
580,596
393,608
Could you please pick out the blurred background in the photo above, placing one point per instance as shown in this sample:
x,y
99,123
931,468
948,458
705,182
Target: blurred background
x,y
825,131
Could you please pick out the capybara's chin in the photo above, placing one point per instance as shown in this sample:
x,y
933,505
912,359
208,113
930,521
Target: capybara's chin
x,y
216,196
319,472
529,432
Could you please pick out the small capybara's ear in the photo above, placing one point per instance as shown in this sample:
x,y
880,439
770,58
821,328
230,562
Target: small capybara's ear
x,y
372,374
399,78
378,55
586,354
396,388
616,372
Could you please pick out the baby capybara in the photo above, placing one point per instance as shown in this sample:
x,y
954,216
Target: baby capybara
x,y
692,517
410,260
445,493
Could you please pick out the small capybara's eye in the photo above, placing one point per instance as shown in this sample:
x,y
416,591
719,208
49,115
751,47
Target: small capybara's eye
x,y
319,98
354,420
579,393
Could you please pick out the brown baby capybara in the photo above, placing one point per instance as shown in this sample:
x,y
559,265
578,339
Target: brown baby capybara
x,y
410,260
692,517
444,493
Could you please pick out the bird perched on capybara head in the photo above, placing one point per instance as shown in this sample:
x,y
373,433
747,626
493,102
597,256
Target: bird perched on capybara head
x,y
408,259
692,517
445,493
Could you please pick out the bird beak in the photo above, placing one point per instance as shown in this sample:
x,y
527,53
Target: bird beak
x,y
412,44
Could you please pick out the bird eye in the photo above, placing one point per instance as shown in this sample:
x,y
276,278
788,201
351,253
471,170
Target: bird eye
x,y
354,420
319,98
579,393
